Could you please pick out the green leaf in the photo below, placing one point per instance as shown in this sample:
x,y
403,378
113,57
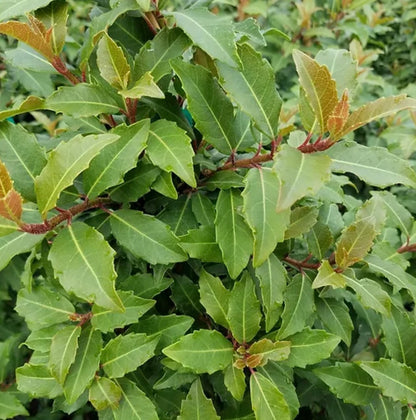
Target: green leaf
x,y
170,148
260,199
145,86
55,16
201,244
23,157
319,240
16,243
65,163
185,295
369,293
393,272
395,379
146,237
37,381
13,8
112,63
43,307
84,264
154,56
266,399
109,167
164,185
348,382
302,219
235,381
248,28
214,297
134,404
244,314
213,35
374,165
86,363
168,328
179,216
82,100
224,180
253,89
233,235
300,174
41,339
335,317
319,87
211,109
328,277
272,279
104,393
269,350
127,352
399,335
342,67
311,346
383,408
197,405
202,351
64,346
10,406
299,306
31,103
380,108
107,320
203,209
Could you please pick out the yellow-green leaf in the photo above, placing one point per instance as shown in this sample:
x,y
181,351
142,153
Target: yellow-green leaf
x,y
145,86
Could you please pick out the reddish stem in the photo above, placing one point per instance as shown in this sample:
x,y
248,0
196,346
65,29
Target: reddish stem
x,y
61,67
407,248
300,265
319,146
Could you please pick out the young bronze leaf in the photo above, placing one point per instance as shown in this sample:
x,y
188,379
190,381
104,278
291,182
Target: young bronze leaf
x,y
6,183
320,88
339,116
11,206
30,35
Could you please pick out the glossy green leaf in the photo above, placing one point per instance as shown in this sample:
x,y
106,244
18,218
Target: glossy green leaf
x,y
348,382
41,339
164,185
270,350
319,240
311,346
300,174
383,408
86,363
399,334
84,264
169,148
395,379
320,88
380,108
63,349
145,86
253,89
13,8
369,293
209,32
214,297
185,295
211,109
244,314
104,393
328,277
374,165
272,278
65,163
107,320
37,381
168,328
261,195
235,381
43,307
302,219
146,237
112,63
200,243
266,399
108,168
23,157
335,317
197,405
10,406
233,235
55,16
299,306
154,56
125,353
202,351
179,216
203,209
31,103
82,100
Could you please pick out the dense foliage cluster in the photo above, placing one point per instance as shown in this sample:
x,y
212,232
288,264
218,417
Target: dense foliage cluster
x,y
204,212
